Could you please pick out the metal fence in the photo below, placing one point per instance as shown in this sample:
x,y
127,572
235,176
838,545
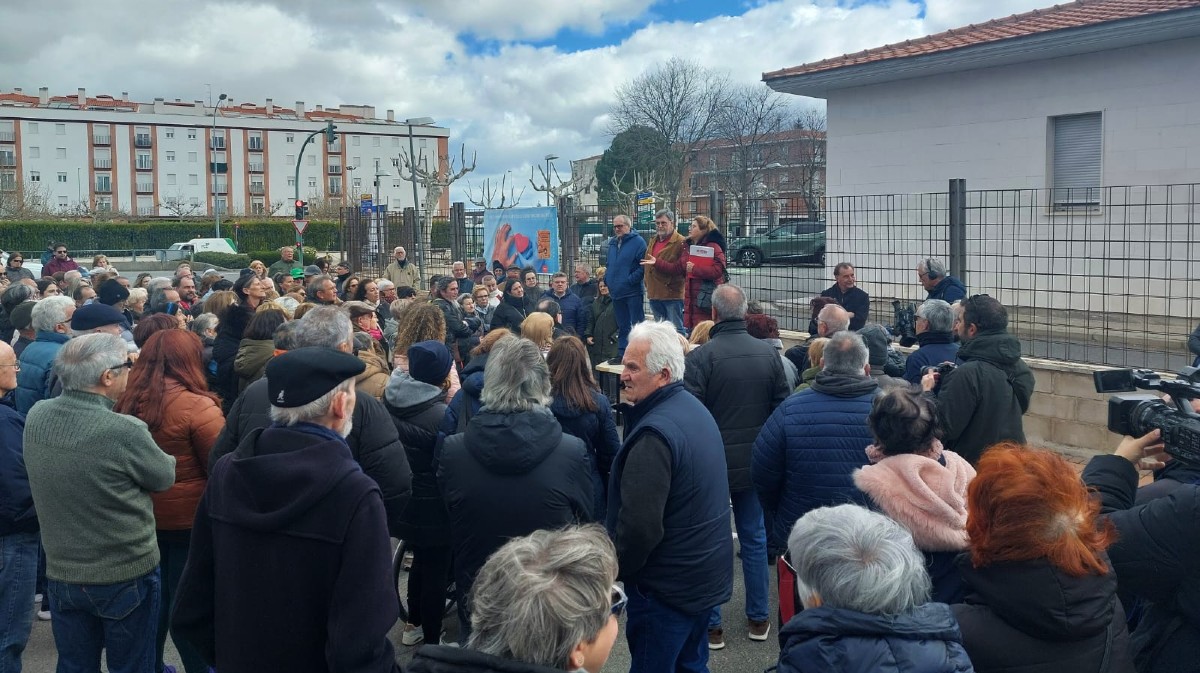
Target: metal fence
x,y
1113,283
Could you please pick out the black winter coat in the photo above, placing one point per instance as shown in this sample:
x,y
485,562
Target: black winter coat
x,y
225,350
373,441
509,315
417,409
468,394
822,639
981,402
1031,617
602,328
740,379
1157,558
507,476
446,659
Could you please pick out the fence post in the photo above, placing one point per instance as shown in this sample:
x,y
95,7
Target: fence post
x,y
716,211
958,229
568,234
412,224
458,233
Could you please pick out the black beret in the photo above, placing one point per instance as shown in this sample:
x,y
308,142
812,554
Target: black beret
x,y
111,291
302,375
95,315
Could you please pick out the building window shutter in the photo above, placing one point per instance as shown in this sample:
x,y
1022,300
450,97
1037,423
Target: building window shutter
x,y
1077,156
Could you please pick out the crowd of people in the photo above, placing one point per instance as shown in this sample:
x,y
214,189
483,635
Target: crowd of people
x,y
227,463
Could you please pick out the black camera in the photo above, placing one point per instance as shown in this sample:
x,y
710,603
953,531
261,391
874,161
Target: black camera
x,y
904,323
941,370
1136,415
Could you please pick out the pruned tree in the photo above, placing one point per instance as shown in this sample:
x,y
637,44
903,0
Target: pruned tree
x,y
809,159
24,200
490,198
435,181
679,99
179,206
624,190
750,149
553,183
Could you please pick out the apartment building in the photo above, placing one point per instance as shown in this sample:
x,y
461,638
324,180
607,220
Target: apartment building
x,y
168,158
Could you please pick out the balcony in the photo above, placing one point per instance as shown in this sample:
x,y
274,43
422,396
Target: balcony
x,y
8,136
145,187
102,140
335,170
101,163
255,145
218,143
141,140
220,189
8,160
145,164
257,189
104,188
256,168
218,168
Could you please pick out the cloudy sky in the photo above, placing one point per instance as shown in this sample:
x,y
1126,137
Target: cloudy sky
x,y
514,81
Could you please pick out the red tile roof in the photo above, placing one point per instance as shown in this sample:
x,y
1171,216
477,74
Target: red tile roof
x,y
1059,17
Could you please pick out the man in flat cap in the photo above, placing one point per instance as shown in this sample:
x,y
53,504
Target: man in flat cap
x,y
295,529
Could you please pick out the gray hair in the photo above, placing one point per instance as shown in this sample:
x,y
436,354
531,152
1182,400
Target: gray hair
x,y
729,302
362,341
939,314
859,560
136,295
665,213
50,312
312,411
845,354
158,296
665,350
836,318
284,338
384,284
932,266
324,327
316,284
582,266
516,377
539,596
158,284
16,294
625,218
83,360
204,321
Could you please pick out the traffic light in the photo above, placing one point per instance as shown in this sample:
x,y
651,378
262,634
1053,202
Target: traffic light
x,y
301,209
330,136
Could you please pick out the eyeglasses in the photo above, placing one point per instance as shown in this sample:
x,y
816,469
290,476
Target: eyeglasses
x,y
60,252
16,366
128,364
619,601
17,260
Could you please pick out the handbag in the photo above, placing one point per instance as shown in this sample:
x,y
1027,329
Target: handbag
x,y
704,297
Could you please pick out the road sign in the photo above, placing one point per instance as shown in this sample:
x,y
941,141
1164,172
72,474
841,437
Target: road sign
x,y
645,198
300,226
366,207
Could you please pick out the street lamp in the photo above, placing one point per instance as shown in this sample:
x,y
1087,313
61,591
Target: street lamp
x,y
549,158
213,149
415,121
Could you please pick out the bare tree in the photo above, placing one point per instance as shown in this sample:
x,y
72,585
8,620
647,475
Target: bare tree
x,y
681,100
177,205
809,162
495,199
435,181
25,200
553,183
641,182
750,144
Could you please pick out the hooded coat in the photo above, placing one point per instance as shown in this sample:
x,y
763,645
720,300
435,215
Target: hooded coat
x,y
935,348
374,379
598,430
293,527
981,402
447,659
509,314
1031,617
602,328
499,455
472,388
417,408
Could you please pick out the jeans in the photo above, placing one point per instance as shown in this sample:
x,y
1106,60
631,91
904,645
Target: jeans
x,y
752,538
629,312
121,619
670,310
427,580
18,575
173,550
662,639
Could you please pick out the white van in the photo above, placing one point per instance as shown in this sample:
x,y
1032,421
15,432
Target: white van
x,y
184,250
591,243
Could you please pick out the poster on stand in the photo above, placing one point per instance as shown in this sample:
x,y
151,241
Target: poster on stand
x,y
526,237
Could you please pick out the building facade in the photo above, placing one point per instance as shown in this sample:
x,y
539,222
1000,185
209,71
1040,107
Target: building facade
x,y
82,154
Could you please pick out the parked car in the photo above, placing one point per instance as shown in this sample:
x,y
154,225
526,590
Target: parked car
x,y
800,241
179,251
591,244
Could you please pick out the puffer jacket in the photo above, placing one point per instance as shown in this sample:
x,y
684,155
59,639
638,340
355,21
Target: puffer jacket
x,y
981,402
602,328
624,271
807,451
188,432
925,639
598,430
374,379
1031,617
740,380
416,409
472,388
936,348
251,361
34,381
573,310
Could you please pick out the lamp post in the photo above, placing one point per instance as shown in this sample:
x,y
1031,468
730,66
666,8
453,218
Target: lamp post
x,y
415,121
549,158
216,210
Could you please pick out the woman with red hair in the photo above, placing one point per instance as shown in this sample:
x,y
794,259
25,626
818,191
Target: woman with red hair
x,y
168,391
1041,595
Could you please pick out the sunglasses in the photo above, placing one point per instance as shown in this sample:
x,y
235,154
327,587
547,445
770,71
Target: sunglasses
x,y
17,260
128,364
619,601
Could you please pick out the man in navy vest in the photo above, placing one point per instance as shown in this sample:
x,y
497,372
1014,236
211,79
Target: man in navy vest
x,y
673,544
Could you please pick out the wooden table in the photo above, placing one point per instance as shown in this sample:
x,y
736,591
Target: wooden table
x,y
609,379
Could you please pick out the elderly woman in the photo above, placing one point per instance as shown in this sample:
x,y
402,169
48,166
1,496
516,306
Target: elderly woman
x,y
545,602
866,600
920,485
816,350
703,272
1041,595
512,445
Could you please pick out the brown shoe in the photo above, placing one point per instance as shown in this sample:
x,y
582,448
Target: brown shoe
x,y
759,630
716,639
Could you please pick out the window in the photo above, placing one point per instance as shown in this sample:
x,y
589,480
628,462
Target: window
x,y
104,203
62,202
291,160
144,161
312,160
396,183
421,142
291,137
221,204
60,129
256,141
312,183
358,182
170,156
60,152
355,140
170,133
170,178
103,182
35,176
195,200
257,206
145,205
62,177
8,181
291,181
191,134
8,157
356,162
33,128
1075,177
375,141
396,163
335,186
193,179
35,153
192,157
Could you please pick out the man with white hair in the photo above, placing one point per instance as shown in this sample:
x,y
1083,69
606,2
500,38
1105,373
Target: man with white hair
x,y
91,472
935,325
938,283
401,271
52,323
668,508
300,496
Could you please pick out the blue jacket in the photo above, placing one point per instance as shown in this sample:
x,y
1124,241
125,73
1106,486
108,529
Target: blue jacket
x,y
949,290
624,265
472,388
574,315
598,430
808,449
34,379
16,501
925,639
691,567
936,348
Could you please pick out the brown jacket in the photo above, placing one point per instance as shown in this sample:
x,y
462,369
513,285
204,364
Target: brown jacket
x,y
374,379
659,283
188,432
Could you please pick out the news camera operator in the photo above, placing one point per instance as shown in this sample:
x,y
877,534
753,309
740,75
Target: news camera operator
x,y
1156,555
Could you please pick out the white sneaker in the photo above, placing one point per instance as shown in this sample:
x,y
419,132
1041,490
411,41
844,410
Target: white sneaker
x,y
413,635
43,615
37,598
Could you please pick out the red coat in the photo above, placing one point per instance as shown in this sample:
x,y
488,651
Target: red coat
x,y
188,432
701,271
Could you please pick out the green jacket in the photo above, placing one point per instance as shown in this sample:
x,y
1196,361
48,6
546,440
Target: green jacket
x,y
91,471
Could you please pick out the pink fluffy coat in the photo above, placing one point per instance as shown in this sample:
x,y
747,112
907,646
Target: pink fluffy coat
x,y
921,494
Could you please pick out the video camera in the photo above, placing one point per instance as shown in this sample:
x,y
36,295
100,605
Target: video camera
x,y
1136,415
904,325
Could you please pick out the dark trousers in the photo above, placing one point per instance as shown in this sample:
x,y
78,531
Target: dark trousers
x,y
427,590
662,639
173,550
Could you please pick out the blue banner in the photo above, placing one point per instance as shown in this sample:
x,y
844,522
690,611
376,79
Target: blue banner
x,y
526,237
